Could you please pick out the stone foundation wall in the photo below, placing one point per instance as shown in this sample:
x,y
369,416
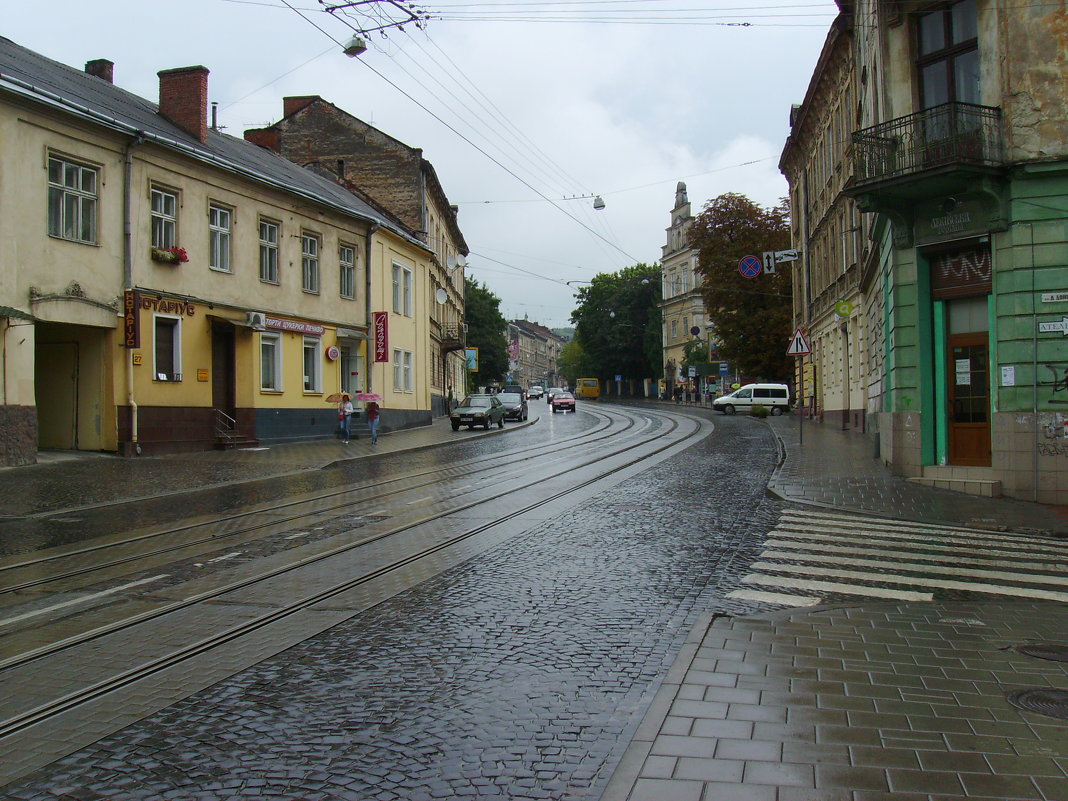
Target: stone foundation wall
x,y
18,435
1019,446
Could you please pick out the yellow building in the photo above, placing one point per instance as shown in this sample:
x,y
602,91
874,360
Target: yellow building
x,y
165,287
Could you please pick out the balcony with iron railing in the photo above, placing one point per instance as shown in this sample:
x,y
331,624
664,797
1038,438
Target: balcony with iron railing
x,y
935,150
453,336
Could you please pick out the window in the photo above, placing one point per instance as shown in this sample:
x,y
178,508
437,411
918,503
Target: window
x,y
164,219
313,359
948,61
402,370
167,347
402,290
219,221
674,329
268,252
347,258
309,244
72,200
271,362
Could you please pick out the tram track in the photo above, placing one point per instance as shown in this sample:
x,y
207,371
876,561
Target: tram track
x,y
369,493
16,723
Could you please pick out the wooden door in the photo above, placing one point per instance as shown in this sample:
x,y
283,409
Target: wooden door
x,y
968,376
223,366
56,372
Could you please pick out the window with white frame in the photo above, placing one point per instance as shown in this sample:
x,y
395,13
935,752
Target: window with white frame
x,y
167,348
402,370
164,218
406,370
268,252
219,226
309,244
271,362
72,200
347,260
313,360
674,329
402,290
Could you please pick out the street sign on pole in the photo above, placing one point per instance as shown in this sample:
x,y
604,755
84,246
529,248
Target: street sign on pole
x,y
750,266
770,265
798,344
785,255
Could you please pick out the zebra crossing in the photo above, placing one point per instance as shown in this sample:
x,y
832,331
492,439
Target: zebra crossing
x,y
811,555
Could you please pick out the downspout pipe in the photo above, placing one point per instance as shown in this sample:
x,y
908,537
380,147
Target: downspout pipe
x,y
127,275
367,301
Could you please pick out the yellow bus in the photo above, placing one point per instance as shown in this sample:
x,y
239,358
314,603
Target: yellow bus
x,y
588,388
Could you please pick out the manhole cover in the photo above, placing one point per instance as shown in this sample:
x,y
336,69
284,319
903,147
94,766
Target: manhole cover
x,y
1042,700
1053,652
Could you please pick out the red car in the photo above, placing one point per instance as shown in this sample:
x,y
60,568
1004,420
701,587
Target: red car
x,y
563,402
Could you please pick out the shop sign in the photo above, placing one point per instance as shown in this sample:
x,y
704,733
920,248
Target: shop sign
x,y
294,325
202,375
332,353
950,218
381,326
168,305
131,319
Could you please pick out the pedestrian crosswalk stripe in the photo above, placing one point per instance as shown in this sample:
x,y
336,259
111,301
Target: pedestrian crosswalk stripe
x,y
774,597
813,553
860,533
878,523
832,586
962,572
966,554
922,581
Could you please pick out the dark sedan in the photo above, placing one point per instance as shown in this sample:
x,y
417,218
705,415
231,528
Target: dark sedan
x,y
515,406
478,410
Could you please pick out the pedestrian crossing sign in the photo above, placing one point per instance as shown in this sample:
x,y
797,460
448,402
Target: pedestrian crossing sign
x,y
798,344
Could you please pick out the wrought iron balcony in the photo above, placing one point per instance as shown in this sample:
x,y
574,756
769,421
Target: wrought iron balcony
x,y
453,336
952,135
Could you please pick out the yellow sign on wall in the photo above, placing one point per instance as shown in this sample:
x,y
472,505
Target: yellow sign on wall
x,y
202,375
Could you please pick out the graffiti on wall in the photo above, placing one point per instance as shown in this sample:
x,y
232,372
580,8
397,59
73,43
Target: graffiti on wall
x,y
1059,382
1054,435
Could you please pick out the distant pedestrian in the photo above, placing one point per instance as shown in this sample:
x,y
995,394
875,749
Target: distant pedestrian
x,y
678,395
344,417
372,418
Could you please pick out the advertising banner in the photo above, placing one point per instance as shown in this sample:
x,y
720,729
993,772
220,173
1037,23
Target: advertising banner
x,y
381,325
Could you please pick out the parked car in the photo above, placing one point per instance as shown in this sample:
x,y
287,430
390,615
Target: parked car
x,y
535,391
774,397
550,392
478,410
515,405
563,402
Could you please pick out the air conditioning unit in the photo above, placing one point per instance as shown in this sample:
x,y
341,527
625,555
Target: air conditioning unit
x,y
256,319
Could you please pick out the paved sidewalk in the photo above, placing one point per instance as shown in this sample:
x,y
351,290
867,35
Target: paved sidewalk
x,y
872,702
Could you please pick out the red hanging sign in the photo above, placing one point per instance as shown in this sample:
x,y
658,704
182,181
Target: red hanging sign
x,y
381,324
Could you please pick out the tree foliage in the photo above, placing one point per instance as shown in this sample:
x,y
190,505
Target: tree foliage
x,y
485,331
751,317
617,323
573,363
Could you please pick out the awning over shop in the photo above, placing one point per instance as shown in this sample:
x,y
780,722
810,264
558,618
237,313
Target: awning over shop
x,y
351,333
18,314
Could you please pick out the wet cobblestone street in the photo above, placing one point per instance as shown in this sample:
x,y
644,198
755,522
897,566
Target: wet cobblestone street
x,y
520,674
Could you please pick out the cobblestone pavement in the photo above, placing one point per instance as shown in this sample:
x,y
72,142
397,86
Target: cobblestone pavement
x,y
583,650
521,674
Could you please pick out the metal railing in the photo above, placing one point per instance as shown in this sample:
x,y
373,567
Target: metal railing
x,y
225,426
949,134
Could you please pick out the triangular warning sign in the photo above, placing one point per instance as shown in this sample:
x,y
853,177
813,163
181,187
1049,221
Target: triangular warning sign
x,y
798,344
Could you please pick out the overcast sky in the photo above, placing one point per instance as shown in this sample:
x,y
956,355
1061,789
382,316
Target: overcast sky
x,y
617,98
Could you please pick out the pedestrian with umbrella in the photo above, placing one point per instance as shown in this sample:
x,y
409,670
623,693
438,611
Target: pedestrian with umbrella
x,y
373,412
344,416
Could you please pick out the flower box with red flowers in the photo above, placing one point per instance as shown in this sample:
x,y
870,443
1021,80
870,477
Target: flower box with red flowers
x,y
173,255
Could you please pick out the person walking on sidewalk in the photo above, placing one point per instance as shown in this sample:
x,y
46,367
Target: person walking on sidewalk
x,y
372,418
344,417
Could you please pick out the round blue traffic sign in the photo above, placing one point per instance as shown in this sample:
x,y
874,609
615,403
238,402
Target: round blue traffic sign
x,y
750,266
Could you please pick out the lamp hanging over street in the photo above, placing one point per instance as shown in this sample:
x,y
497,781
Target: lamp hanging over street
x,y
598,203
354,47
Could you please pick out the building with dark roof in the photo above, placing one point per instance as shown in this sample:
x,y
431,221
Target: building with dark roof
x,y
165,287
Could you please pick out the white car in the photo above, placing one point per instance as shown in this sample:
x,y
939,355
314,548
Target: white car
x,y
535,391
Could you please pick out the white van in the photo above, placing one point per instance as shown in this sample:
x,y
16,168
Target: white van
x,y
773,397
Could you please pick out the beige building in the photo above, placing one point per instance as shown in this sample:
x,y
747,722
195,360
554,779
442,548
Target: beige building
x,y
830,234
165,287
394,178
534,355
682,307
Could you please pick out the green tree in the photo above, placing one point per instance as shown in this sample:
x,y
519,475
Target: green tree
x,y
573,363
485,331
617,323
751,316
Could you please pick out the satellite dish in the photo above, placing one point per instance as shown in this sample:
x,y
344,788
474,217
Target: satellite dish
x,y
451,263
441,295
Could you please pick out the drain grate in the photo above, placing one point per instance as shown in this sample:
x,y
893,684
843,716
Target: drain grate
x,y
1051,651
1041,700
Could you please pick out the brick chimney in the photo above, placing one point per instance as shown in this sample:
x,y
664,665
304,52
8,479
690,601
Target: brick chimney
x,y
183,99
291,105
101,68
264,137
